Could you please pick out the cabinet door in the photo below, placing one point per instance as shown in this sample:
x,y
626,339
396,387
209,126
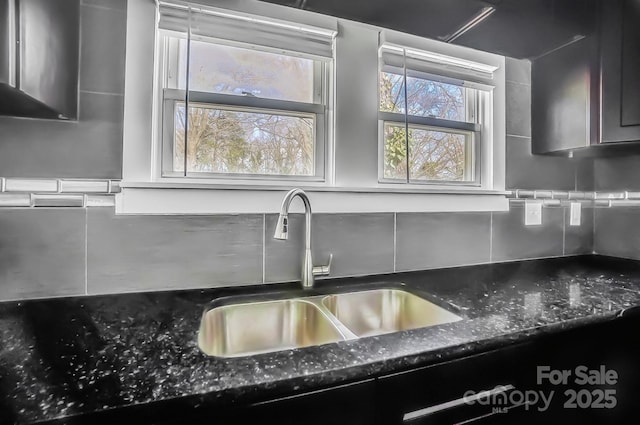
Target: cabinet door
x,y
7,44
564,98
351,404
48,54
620,62
598,350
475,388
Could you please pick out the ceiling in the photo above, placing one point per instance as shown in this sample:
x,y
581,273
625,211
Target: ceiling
x,y
517,28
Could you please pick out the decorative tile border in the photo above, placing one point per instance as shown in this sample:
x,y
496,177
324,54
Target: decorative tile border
x,y
99,201
82,193
69,193
15,200
551,198
83,186
25,185
46,200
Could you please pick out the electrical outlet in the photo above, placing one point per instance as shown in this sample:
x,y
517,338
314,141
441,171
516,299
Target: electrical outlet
x,y
575,214
532,213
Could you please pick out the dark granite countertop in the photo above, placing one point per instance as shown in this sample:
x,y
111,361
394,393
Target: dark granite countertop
x,y
66,357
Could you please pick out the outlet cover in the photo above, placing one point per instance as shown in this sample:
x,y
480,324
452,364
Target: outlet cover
x,y
575,214
533,213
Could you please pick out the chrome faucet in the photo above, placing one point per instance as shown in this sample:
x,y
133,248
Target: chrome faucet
x,y
282,232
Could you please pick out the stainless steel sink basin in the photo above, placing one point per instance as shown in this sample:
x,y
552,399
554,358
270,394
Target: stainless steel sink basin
x,y
382,311
253,327
259,327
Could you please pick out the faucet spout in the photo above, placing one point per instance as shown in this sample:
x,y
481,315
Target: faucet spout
x,y
282,225
282,232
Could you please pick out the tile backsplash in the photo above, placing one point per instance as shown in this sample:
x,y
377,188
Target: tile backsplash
x,y
442,240
358,242
616,232
133,253
42,253
59,252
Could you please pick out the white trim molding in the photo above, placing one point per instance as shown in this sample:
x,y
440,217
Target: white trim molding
x,y
259,201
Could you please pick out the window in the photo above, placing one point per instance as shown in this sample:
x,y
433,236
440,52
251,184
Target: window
x,y
241,97
430,127
228,105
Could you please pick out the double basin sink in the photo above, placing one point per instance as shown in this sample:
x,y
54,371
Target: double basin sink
x,y
246,328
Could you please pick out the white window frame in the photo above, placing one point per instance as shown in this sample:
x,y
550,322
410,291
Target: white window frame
x,y
351,181
169,73
479,84
473,161
471,127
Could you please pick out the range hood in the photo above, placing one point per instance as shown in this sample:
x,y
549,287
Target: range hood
x,y
39,56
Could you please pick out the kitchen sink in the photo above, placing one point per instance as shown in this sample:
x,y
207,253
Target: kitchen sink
x,y
259,327
244,328
380,311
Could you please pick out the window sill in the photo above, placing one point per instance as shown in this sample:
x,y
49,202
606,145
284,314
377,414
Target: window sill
x,y
181,198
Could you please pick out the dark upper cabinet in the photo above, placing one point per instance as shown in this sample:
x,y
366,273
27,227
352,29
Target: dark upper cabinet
x,y
588,93
39,57
620,68
564,106
7,42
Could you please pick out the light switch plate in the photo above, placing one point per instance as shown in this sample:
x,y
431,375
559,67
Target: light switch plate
x,y
532,213
575,214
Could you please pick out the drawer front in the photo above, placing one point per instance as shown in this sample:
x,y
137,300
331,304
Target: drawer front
x,y
471,388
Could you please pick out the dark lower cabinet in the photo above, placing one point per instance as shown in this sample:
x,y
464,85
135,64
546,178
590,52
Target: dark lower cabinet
x,y
601,367
351,404
620,70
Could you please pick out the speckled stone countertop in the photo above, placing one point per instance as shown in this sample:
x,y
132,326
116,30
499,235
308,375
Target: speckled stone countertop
x,y
66,357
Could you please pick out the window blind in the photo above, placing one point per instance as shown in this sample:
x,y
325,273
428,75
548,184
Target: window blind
x,y
227,25
430,64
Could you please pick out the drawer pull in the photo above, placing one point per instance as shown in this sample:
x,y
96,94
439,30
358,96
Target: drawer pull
x,y
455,403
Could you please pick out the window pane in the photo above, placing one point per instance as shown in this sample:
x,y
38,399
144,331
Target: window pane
x,y
178,138
426,98
240,142
434,155
395,152
391,92
224,69
438,155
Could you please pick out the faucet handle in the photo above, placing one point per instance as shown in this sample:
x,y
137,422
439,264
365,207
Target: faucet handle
x,y
323,270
